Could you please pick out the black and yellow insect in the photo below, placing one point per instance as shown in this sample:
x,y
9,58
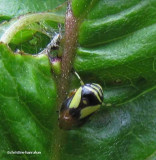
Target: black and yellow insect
x,y
80,105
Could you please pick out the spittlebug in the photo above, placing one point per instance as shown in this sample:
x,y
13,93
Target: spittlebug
x,y
80,105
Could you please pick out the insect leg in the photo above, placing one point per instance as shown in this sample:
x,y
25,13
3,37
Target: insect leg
x,y
77,75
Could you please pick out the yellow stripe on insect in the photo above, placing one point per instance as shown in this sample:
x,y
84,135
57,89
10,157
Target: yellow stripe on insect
x,y
97,89
89,110
97,85
96,94
76,99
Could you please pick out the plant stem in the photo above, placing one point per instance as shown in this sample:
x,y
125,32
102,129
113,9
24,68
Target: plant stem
x,y
70,42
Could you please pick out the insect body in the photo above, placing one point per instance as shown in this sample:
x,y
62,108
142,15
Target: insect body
x,y
80,105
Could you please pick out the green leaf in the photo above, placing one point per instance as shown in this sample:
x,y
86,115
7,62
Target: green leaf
x,y
28,100
126,132
16,8
119,44
116,48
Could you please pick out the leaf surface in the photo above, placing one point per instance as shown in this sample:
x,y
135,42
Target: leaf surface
x,y
116,48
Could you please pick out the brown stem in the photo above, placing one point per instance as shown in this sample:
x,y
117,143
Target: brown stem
x,y
70,41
